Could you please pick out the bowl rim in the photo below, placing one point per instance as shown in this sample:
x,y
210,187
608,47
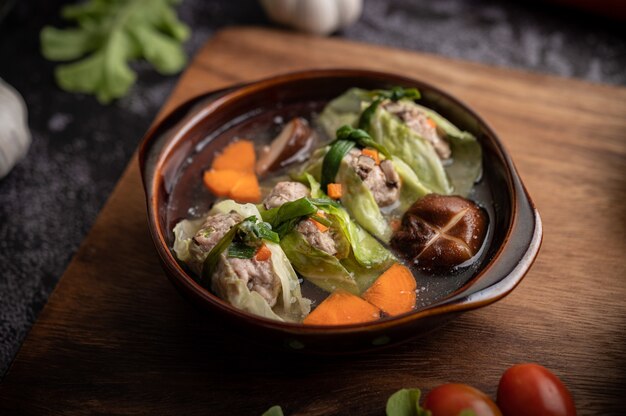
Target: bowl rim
x,y
454,302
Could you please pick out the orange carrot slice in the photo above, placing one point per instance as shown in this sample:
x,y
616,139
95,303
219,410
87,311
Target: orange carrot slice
x,y
342,308
220,182
373,153
246,189
334,190
394,291
319,225
431,123
238,155
263,253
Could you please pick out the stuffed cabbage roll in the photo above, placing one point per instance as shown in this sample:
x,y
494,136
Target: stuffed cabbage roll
x,y
445,159
375,186
238,257
321,241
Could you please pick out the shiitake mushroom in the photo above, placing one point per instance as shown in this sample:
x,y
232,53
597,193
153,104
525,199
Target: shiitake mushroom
x,y
439,232
293,144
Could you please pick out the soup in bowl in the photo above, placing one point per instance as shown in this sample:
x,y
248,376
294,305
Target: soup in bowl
x,y
336,210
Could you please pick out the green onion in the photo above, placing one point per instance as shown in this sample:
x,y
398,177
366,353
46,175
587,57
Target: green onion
x,y
264,231
321,220
365,119
248,233
332,160
210,263
241,251
362,138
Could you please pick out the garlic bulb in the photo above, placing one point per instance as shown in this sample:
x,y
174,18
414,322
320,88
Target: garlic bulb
x,y
14,133
320,17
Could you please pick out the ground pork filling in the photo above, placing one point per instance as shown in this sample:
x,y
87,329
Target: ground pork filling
x,y
283,192
258,276
382,180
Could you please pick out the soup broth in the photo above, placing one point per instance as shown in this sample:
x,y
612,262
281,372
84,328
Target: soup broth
x,y
190,199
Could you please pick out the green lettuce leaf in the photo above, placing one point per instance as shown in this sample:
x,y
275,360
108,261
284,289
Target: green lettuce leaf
x,y
466,166
457,177
317,266
406,402
291,305
114,32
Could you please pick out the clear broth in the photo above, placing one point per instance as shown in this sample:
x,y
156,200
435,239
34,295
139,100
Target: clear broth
x,y
262,126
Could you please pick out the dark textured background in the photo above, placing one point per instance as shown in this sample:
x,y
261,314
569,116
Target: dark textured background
x,y
49,201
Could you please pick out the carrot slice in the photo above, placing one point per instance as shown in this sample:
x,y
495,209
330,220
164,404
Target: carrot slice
x,y
246,189
334,190
373,153
431,123
319,225
394,291
238,155
263,253
220,182
342,308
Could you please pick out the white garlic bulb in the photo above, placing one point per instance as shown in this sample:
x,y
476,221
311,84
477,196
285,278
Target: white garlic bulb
x,y
14,134
321,17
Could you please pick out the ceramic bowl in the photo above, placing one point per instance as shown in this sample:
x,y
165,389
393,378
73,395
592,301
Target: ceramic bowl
x,y
175,152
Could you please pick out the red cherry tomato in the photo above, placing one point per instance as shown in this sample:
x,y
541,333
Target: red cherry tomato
x,y
530,389
451,399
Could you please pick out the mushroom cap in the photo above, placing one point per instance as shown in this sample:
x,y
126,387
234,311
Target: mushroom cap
x,y
439,232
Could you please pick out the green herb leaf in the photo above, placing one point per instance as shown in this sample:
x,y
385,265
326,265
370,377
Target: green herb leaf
x,y
274,411
362,138
114,32
332,160
405,402
241,251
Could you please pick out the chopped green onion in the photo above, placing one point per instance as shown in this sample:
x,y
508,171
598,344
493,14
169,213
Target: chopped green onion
x,y
321,220
332,160
210,263
241,251
264,231
249,232
362,138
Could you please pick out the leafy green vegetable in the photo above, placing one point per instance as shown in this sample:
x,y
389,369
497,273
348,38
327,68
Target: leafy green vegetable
x,y
466,166
333,159
405,402
395,94
241,251
285,217
291,306
356,108
362,138
317,266
211,261
273,411
111,33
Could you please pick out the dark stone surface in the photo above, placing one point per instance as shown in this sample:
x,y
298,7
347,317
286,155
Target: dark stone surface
x,y
49,201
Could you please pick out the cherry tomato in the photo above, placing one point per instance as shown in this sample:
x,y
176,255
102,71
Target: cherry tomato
x,y
451,399
530,389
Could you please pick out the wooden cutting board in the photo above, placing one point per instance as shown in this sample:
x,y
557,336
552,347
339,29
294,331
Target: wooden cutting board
x,y
116,338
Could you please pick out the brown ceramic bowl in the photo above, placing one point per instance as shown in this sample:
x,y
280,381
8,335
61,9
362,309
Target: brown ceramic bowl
x,y
176,151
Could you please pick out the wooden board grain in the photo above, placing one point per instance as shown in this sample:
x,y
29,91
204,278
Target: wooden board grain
x,y
116,338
